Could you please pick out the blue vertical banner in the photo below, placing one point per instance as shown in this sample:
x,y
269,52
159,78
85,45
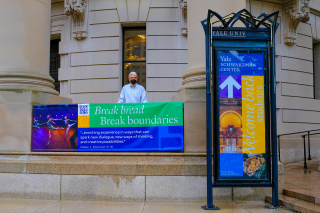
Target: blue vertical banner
x,y
242,118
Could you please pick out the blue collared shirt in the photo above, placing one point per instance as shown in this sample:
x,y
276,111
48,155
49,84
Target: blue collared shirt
x,y
130,94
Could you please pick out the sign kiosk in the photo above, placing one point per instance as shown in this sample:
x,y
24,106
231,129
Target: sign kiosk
x,y
241,102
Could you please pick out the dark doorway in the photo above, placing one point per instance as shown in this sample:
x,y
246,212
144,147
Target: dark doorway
x,y
55,62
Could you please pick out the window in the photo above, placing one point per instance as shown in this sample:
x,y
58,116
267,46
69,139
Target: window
x,y
55,62
316,69
134,54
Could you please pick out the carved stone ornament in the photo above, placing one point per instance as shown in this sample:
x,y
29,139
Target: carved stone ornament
x,y
183,7
296,11
77,9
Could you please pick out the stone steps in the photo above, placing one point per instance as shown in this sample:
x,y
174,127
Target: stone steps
x,y
306,196
297,204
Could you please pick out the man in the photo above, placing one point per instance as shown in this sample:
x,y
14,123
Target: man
x,y
133,92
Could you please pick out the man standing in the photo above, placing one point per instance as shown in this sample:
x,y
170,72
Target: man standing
x,y
133,92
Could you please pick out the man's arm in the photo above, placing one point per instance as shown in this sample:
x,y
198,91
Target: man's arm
x,y
122,98
143,96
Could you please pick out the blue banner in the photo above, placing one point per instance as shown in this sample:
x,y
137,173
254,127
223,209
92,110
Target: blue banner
x,y
237,63
162,138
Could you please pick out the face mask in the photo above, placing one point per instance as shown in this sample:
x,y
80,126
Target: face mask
x,y
133,81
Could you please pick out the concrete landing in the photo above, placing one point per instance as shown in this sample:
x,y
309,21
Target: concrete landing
x,y
11,205
302,183
301,187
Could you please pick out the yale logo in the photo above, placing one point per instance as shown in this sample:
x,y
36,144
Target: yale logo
x,y
239,33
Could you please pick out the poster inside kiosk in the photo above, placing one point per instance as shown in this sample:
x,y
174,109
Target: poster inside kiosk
x,y
108,127
242,115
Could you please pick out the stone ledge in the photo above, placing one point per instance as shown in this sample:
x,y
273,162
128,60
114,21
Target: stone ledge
x,y
119,188
105,153
129,164
109,176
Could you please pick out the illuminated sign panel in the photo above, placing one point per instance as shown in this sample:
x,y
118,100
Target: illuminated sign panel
x,y
242,124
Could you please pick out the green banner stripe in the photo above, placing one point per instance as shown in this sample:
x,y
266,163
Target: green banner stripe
x,y
136,115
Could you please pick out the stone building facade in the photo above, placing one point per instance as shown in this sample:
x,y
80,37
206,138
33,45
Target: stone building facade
x,y
90,36
91,68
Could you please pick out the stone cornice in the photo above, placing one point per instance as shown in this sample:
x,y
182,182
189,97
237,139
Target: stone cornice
x,y
59,17
56,1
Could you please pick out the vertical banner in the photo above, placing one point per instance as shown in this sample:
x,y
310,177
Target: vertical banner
x,y
253,113
242,115
108,127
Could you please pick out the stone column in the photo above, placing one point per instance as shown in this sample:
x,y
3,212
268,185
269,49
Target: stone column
x,y
24,69
192,91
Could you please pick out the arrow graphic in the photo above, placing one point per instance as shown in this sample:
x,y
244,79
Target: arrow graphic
x,y
230,82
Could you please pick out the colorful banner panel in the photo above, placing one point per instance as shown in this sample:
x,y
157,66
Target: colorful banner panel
x,y
55,127
108,127
253,114
242,115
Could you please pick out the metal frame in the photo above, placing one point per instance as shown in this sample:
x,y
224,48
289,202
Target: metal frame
x,y
267,27
304,145
308,133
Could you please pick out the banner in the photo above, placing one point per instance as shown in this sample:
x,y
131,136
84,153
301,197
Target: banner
x,y
253,113
242,115
108,127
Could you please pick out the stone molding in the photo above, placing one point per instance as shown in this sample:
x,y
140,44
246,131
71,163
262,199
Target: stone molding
x,y
20,78
69,163
296,11
77,9
190,95
58,31
194,78
183,7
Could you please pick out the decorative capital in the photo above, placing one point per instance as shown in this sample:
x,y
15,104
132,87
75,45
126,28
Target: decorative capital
x,y
77,9
183,4
296,11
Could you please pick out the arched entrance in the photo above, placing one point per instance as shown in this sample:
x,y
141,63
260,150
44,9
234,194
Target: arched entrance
x,y
230,132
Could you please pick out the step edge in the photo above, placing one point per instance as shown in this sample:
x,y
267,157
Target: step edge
x,y
292,206
296,194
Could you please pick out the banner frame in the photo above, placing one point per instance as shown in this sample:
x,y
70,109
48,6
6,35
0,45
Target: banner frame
x,y
265,25
217,179
144,131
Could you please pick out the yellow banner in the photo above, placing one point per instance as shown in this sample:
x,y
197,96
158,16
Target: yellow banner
x,y
253,114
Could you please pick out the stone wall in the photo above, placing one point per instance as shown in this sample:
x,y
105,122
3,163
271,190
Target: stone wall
x,y
91,69
115,177
297,107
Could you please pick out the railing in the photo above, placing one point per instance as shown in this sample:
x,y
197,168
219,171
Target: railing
x,y
304,144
